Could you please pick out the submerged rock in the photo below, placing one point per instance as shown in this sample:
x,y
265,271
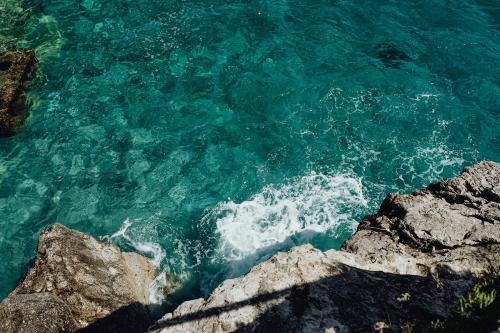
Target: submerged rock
x,y
98,283
16,68
406,266
390,55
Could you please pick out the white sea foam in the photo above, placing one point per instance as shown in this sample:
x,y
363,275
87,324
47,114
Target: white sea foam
x,y
315,203
153,251
433,160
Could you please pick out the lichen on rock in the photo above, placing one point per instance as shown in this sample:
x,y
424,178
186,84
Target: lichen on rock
x,y
36,313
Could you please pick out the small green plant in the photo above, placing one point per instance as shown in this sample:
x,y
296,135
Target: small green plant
x,y
478,310
480,296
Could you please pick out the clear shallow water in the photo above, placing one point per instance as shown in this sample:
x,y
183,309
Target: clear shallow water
x,y
210,134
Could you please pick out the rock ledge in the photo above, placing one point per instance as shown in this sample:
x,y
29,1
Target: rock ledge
x,y
406,266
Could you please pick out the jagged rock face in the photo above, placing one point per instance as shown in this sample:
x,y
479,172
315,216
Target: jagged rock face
x,y
16,68
92,278
454,223
405,266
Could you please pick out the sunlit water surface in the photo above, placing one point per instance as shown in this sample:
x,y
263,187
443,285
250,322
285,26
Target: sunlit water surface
x,y
210,134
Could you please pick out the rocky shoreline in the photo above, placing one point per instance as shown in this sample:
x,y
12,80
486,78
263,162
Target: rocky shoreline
x,y
404,270
406,267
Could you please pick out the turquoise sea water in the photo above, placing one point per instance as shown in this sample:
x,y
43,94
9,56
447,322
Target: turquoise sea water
x,y
210,134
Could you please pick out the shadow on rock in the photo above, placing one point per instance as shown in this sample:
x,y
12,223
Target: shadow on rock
x,y
133,318
352,299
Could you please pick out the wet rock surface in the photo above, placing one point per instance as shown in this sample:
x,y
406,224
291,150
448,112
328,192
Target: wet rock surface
x,y
405,266
95,281
16,68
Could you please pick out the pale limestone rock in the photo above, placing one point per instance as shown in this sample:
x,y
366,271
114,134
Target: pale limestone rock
x,y
454,223
94,279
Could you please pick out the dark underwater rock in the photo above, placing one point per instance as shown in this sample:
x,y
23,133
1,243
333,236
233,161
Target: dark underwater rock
x,y
405,267
390,55
16,68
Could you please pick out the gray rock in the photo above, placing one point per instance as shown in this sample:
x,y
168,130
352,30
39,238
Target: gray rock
x,y
454,223
405,266
35,313
94,279
306,290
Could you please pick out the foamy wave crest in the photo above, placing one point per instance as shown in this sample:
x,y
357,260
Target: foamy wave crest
x,y
152,250
311,204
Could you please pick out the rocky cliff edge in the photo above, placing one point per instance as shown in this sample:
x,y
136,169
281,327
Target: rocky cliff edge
x,y
404,270
408,268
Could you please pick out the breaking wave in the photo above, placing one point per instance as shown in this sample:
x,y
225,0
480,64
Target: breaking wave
x,y
152,250
315,203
